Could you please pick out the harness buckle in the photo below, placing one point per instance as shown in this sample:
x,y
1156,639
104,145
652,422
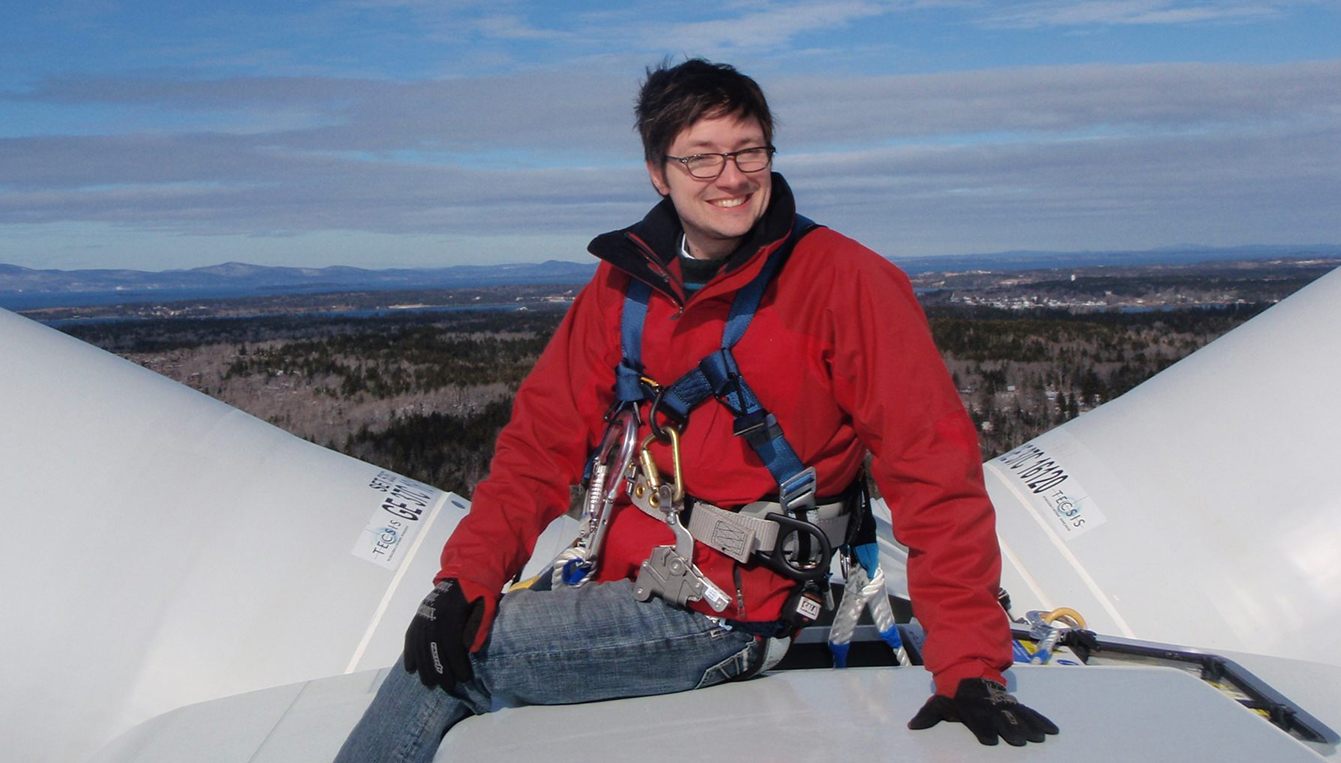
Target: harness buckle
x,y
757,428
797,493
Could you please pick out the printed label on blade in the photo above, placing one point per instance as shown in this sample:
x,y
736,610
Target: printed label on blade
x,y
1041,476
402,505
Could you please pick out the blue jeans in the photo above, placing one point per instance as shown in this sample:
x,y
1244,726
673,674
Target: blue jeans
x,y
556,647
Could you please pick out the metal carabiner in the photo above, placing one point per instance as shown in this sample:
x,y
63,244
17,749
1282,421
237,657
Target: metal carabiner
x,y
622,433
610,470
650,469
673,419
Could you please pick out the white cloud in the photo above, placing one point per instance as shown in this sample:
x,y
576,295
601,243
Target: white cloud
x,y
818,111
1133,12
217,185
1121,191
581,109
550,109
1046,157
513,26
761,25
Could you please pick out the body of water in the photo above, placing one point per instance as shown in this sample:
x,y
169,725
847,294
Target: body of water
x,y
301,315
37,301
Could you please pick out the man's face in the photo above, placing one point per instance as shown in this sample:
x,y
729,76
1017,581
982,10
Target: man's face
x,y
716,214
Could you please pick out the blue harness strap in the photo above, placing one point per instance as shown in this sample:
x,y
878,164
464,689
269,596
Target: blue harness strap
x,y
718,375
628,374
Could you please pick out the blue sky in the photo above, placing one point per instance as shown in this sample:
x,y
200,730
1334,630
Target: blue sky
x,y
391,133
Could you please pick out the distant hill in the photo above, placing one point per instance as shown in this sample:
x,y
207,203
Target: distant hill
x,y
27,288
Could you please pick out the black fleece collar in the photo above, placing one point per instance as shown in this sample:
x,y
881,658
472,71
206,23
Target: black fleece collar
x,y
660,231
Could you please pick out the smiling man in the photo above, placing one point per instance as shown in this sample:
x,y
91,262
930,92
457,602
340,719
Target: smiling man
x,y
755,359
716,215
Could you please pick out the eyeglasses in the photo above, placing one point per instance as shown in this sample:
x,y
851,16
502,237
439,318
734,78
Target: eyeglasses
x,y
710,166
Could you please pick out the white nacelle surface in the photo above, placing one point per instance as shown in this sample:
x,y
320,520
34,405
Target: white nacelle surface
x,y
1128,714
1204,506
164,548
172,549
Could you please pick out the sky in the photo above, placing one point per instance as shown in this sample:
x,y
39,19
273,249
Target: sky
x,y
423,133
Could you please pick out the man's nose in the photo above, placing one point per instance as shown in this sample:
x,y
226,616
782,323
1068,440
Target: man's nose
x,y
731,174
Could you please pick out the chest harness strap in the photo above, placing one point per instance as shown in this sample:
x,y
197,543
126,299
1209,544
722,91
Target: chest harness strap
x,y
610,469
793,537
718,375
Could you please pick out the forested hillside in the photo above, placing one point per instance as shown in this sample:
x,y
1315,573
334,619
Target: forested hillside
x,y
1020,373
425,394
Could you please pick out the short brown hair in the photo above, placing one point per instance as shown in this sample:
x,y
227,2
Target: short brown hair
x,y
675,97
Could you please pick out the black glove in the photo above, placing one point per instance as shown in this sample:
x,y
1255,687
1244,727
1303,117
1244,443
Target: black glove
x,y
437,643
988,711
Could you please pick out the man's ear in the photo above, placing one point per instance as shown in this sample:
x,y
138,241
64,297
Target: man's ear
x,y
657,174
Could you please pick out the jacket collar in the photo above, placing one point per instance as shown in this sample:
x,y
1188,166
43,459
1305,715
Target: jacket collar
x,y
645,249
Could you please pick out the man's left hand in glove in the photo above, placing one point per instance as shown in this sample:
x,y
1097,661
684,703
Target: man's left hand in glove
x,y
988,711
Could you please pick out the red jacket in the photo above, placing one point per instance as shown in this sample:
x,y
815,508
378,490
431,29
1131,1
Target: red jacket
x,y
839,352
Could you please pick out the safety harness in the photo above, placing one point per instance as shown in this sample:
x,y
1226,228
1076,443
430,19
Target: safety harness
x,y
792,536
717,375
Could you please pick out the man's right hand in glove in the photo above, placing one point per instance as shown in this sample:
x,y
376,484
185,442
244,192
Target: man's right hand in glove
x,y
450,624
